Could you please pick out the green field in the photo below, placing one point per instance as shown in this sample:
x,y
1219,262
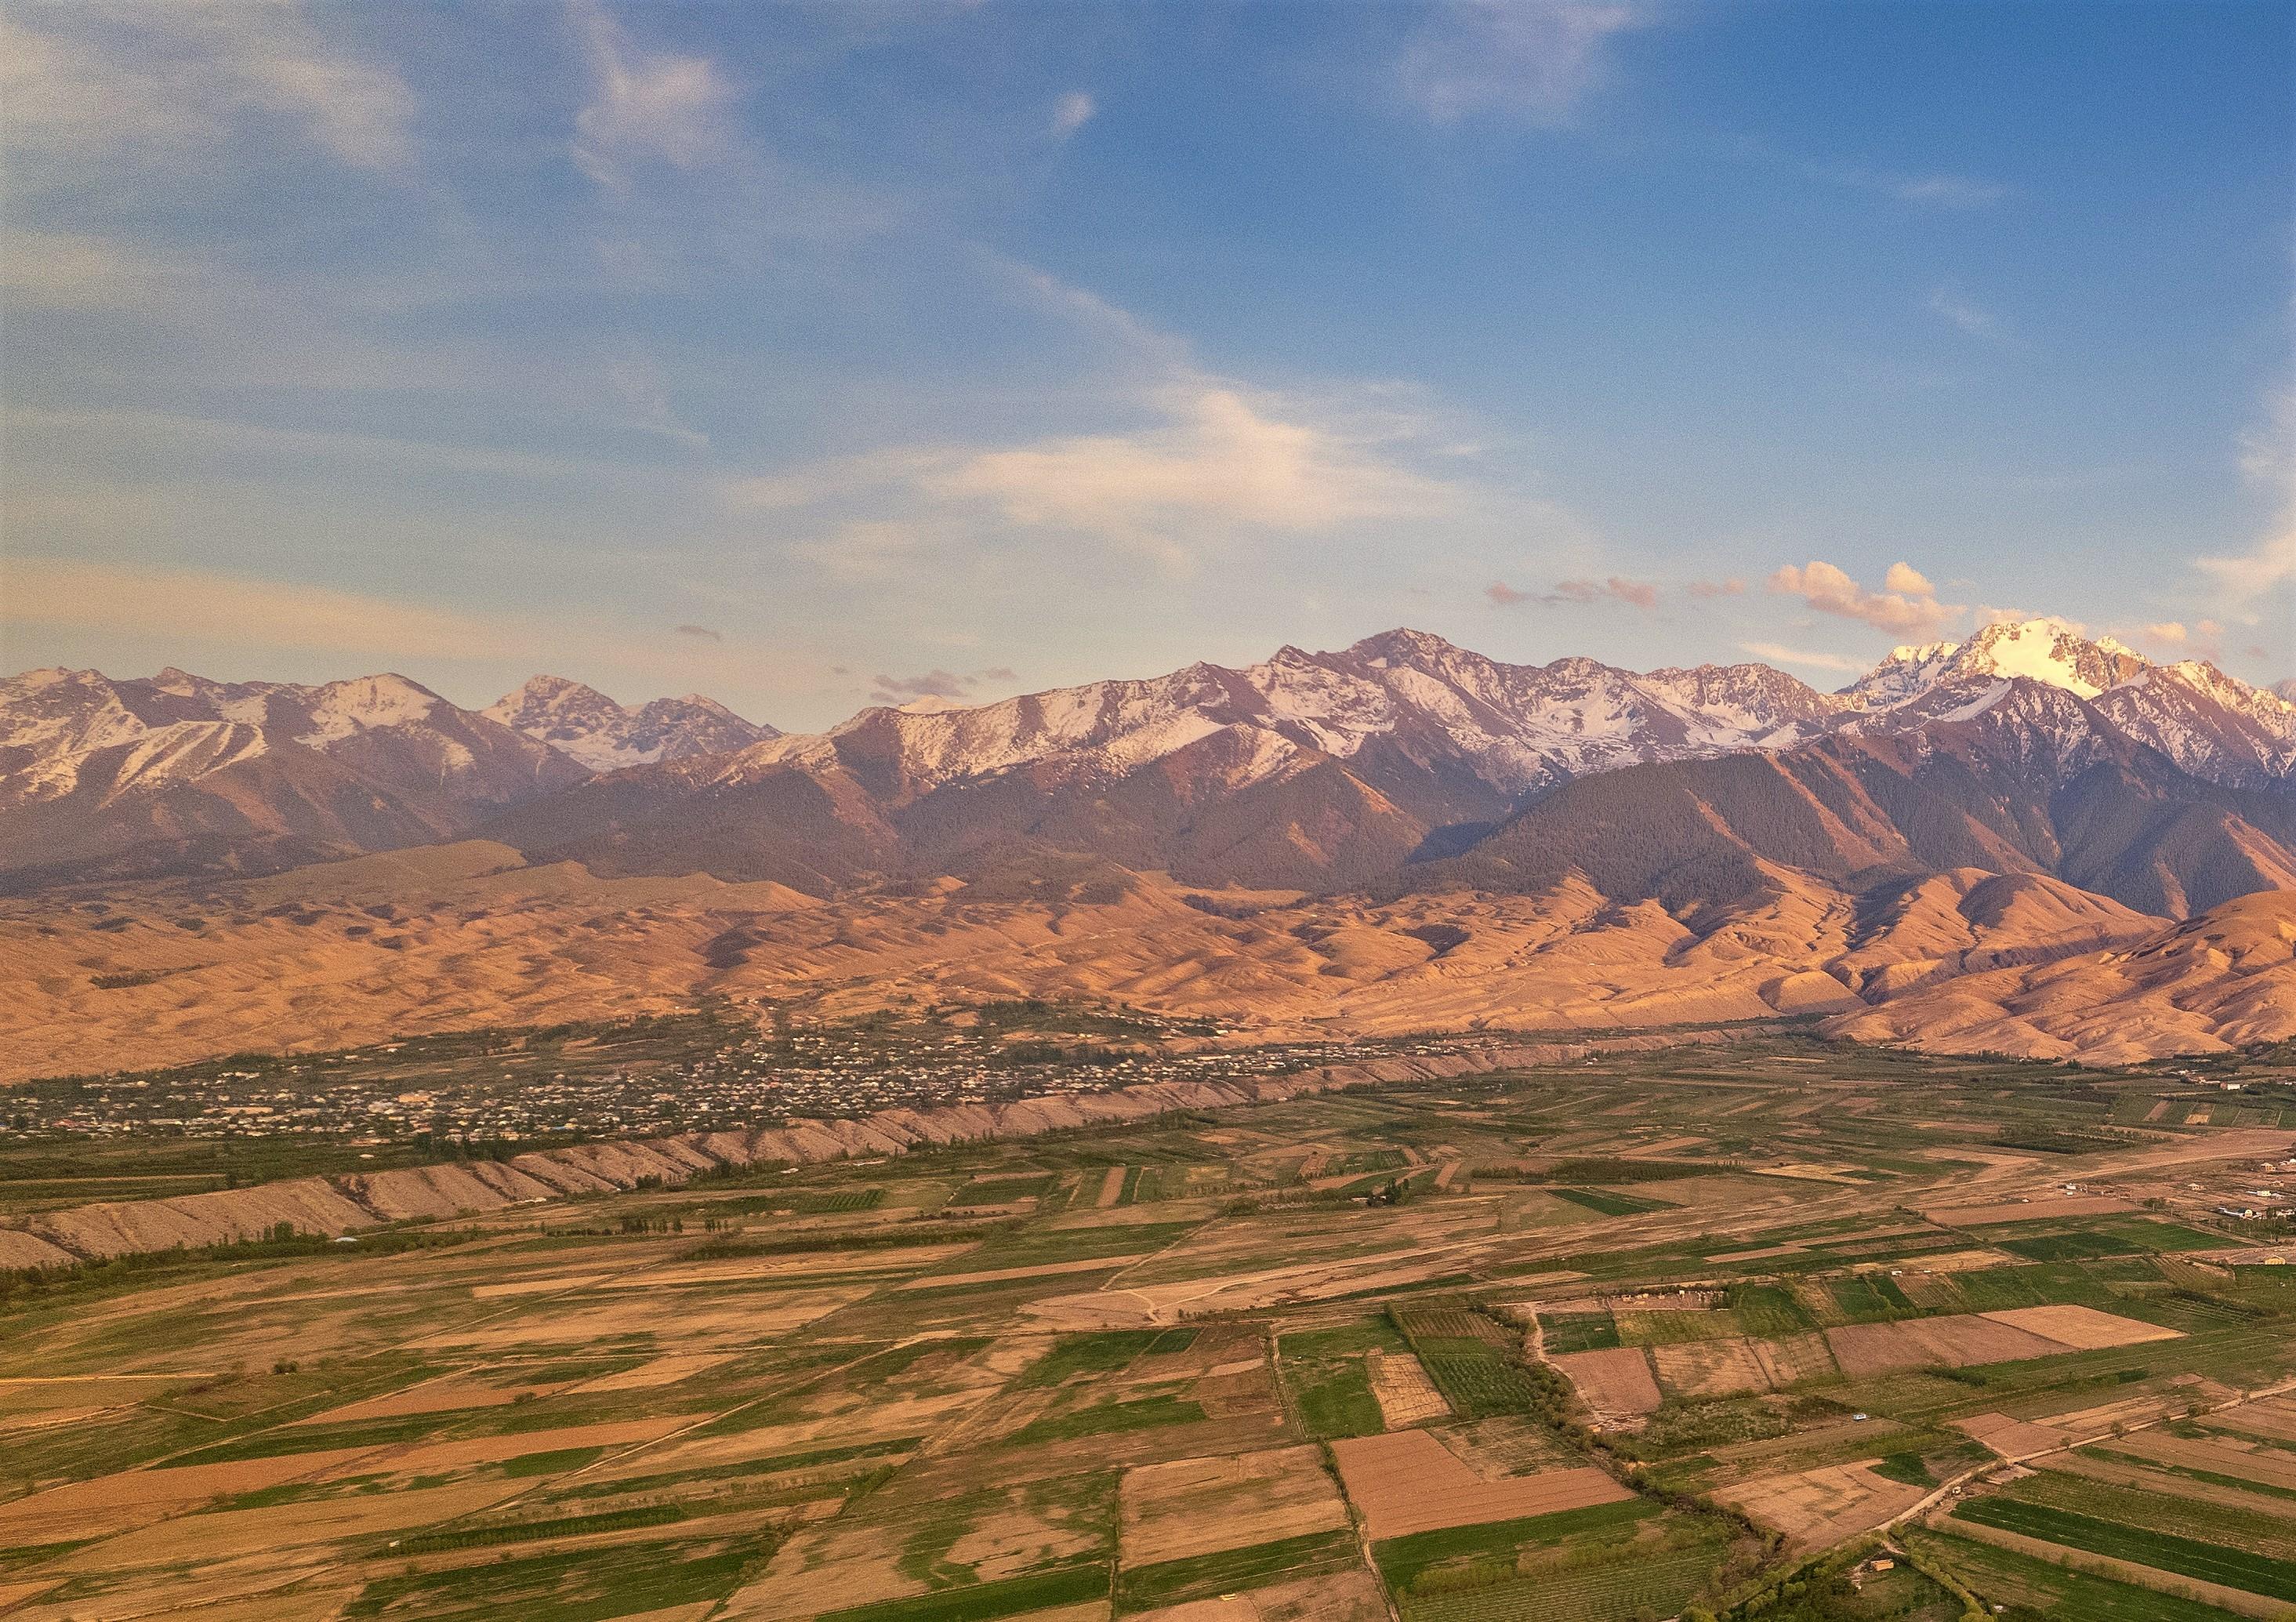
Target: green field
x,y
950,1384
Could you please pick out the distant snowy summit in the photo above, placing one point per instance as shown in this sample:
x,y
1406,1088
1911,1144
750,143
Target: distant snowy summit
x,y
1307,769
605,736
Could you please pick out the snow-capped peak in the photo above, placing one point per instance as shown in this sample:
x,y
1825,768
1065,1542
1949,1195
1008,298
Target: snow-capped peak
x,y
365,702
2049,651
584,724
1402,694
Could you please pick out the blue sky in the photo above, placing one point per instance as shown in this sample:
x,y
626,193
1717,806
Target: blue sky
x,y
806,355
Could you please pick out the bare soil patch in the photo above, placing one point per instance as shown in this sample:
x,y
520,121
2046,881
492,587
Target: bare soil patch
x,y
106,1503
1406,1396
2219,1456
205,1539
660,1372
1613,1381
997,1275
2275,1417
1804,1357
1711,1368
442,1395
425,1458
1200,1506
2081,1327
1815,1508
2011,1438
2027,1211
1962,1339
728,1318
1953,1341
1406,1481
1346,1596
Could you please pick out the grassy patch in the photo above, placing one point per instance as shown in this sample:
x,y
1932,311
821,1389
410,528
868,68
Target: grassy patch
x,y
1142,1413
2005,1576
978,1601
2186,1556
1769,1310
552,1463
569,1585
1609,1203
1578,1332
535,1531
1870,1298
1905,1467
1404,1562
1086,1353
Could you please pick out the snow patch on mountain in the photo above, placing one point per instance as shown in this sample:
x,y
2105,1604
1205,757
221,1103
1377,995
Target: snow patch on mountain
x,y
586,725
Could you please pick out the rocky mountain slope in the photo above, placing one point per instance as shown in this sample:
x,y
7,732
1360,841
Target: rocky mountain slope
x,y
1400,765
605,736
104,778
1402,762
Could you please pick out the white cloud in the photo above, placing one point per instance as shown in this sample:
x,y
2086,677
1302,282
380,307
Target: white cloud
x,y
1071,113
1221,456
2268,456
1905,606
647,106
1221,463
2268,565
2202,638
1534,60
1777,654
2267,452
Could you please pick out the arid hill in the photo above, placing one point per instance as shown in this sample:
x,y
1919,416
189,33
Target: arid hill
x,y
460,937
2223,979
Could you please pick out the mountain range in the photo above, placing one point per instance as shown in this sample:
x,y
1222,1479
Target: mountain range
x,y
2027,842
1402,763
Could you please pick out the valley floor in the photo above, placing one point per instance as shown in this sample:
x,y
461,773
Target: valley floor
x,y
1627,1336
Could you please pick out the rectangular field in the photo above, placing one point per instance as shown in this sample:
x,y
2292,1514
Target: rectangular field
x,y
1406,1481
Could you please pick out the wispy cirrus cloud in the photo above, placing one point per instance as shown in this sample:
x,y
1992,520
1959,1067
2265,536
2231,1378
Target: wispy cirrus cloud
x,y
1531,61
171,90
2243,580
648,106
1906,605
1071,113
1958,309
1928,191
1219,463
